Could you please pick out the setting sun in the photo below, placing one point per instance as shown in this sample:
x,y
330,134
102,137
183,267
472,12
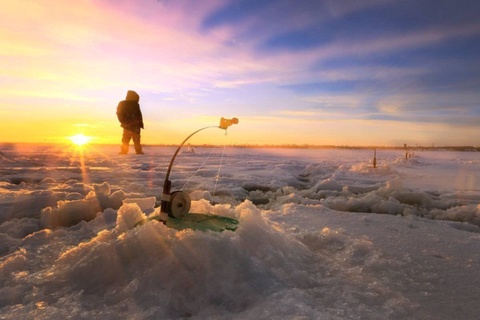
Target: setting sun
x,y
79,139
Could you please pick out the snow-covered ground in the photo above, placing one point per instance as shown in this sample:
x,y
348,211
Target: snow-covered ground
x,y
322,235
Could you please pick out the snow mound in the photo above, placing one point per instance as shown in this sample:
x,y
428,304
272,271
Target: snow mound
x,y
231,272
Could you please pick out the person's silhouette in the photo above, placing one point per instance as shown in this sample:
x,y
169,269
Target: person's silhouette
x,y
131,120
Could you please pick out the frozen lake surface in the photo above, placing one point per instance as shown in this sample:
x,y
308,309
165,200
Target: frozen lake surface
x,y
322,234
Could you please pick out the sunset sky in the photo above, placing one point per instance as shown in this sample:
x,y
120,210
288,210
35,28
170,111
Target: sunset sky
x,y
350,72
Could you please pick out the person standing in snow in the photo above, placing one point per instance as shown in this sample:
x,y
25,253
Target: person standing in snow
x,y
131,120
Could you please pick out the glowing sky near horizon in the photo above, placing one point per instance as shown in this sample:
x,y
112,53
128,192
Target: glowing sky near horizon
x,y
353,72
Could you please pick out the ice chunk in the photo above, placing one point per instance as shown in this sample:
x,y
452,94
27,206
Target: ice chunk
x,y
146,204
128,216
103,188
329,184
69,213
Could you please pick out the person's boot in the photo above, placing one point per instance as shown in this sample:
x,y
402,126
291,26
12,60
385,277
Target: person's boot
x,y
138,149
123,149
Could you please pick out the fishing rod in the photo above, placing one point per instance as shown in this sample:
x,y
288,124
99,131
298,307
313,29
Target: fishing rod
x,y
177,204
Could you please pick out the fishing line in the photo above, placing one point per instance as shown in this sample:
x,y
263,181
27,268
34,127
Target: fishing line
x,y
199,168
218,173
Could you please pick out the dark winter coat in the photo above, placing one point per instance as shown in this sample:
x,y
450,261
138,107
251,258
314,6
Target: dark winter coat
x,y
128,112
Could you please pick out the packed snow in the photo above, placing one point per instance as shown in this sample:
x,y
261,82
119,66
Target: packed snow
x,y
322,234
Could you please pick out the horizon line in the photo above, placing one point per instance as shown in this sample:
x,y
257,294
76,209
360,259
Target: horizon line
x,y
278,146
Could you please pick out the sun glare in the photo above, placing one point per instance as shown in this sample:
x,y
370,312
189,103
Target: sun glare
x,y
79,139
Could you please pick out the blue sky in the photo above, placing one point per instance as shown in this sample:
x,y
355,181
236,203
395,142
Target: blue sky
x,y
372,72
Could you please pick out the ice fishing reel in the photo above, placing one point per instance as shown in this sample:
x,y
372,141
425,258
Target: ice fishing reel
x,y
177,204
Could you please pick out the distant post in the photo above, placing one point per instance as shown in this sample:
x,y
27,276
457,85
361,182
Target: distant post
x,y
374,157
406,151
